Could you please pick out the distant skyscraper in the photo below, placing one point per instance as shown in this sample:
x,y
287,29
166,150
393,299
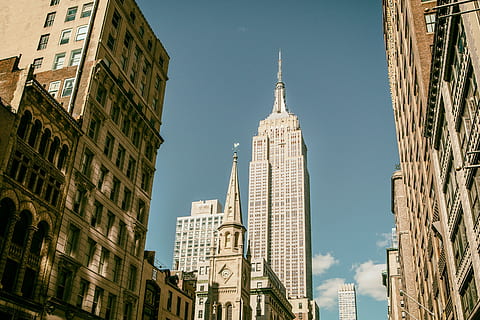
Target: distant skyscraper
x,y
279,201
195,234
347,302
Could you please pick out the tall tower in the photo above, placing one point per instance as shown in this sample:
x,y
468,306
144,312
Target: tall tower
x,y
279,201
347,302
229,271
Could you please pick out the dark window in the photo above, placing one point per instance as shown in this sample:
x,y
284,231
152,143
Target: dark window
x,y
117,268
127,40
101,178
108,148
89,253
101,94
110,222
50,19
179,304
37,63
82,292
93,128
86,10
79,201
131,167
97,301
127,198
122,229
115,190
116,19
111,305
169,301
132,278
120,157
86,163
469,295
54,2
64,283
71,13
111,42
96,218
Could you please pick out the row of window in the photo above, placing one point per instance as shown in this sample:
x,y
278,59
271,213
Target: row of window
x,y
67,88
71,13
65,37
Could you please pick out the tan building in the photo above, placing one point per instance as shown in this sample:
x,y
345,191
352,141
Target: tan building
x,y
279,202
161,296
433,63
103,63
268,296
37,142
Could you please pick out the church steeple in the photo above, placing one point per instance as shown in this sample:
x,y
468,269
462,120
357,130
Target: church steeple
x,y
233,211
279,104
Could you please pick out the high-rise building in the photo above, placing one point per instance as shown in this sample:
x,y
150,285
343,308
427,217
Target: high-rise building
x,y
195,234
347,302
433,66
279,202
102,62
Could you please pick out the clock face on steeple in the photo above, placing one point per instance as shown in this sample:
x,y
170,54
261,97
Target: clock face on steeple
x,y
225,273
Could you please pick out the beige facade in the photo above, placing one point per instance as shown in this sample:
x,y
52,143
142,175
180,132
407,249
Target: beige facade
x,y
279,202
268,296
432,70
161,295
37,144
347,302
103,63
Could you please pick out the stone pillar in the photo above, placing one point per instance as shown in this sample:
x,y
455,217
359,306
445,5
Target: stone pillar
x,y
7,242
23,262
43,268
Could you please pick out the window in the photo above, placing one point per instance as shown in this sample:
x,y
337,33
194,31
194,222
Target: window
x,y
109,141
169,301
68,87
111,304
79,201
146,179
110,222
58,61
121,233
64,283
459,240
103,263
97,301
179,304
82,292
65,36
120,156
126,125
93,128
86,163
117,268
37,63
127,311
72,240
81,33
49,20
96,218
469,295
131,167
90,252
115,114
42,44
127,197
115,190
127,40
71,13
54,2
75,57
185,316
116,19
86,10
53,88
111,42
136,138
200,314
101,94
132,278
430,22
101,178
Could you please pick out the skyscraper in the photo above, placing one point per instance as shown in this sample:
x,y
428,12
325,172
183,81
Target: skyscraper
x,y
347,302
195,234
279,201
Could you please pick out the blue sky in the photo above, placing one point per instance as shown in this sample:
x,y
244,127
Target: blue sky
x,y
222,75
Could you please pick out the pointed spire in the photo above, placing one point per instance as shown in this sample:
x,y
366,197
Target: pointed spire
x,y
233,211
279,104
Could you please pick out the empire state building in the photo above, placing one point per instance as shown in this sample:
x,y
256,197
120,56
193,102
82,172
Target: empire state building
x,y
279,202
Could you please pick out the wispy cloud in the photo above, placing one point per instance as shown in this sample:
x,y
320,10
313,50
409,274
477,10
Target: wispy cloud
x,y
368,276
327,293
321,263
385,240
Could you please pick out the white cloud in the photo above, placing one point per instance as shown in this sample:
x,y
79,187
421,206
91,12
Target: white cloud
x,y
327,293
321,263
368,276
385,240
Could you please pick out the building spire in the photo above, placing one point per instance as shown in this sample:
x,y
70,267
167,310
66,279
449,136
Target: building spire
x,y
279,104
233,211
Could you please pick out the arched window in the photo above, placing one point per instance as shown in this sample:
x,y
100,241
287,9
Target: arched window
x,y
229,312
42,149
24,123
219,312
228,240
20,232
53,149
237,235
62,157
38,238
7,209
37,127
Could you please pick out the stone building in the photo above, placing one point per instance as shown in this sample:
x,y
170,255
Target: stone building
x,y
161,297
268,296
433,62
102,62
38,139
347,302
